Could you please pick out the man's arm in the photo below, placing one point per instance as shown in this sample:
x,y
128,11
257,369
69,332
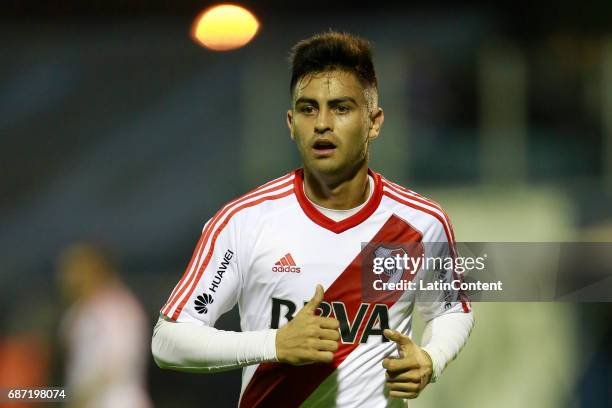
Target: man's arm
x,y
444,336
197,348
192,347
449,321
184,337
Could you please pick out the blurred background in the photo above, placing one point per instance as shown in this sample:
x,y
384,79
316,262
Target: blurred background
x,y
118,128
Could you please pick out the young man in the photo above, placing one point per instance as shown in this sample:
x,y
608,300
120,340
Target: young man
x,y
104,330
270,249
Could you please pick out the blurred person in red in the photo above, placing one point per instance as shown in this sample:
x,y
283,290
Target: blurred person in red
x,y
24,364
105,332
26,344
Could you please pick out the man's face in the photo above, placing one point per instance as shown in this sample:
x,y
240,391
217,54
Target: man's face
x,y
330,122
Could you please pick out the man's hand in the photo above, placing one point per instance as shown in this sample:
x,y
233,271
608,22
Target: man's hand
x,y
308,338
410,373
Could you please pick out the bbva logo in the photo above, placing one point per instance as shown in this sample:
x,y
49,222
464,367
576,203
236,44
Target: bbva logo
x,y
370,319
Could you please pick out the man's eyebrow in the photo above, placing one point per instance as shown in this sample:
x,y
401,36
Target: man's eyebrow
x,y
306,100
334,101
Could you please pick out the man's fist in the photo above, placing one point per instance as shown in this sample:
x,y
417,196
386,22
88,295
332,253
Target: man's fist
x,y
410,373
308,338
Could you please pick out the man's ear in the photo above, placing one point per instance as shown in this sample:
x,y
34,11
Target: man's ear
x,y
376,120
290,123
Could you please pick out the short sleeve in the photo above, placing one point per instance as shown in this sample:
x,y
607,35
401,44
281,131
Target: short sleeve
x,y
212,282
438,292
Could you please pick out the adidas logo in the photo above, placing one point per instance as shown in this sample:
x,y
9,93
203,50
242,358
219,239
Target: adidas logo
x,y
201,302
286,264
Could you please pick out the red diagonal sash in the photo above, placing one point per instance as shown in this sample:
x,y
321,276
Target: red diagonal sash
x,y
284,385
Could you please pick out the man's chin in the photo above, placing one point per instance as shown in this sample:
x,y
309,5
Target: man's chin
x,y
325,166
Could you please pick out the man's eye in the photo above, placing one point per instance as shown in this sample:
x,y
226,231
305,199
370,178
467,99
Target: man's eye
x,y
342,108
307,109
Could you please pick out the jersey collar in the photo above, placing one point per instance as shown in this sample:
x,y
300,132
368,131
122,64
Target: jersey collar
x,y
337,226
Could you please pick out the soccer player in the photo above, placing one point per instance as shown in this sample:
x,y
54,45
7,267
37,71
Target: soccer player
x,y
105,332
290,254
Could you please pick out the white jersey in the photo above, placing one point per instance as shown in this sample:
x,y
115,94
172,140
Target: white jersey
x,y
267,250
106,338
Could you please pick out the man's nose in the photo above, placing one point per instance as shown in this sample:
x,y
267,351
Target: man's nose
x,y
323,122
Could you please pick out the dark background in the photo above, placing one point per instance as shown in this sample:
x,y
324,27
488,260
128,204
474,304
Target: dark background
x,y
116,126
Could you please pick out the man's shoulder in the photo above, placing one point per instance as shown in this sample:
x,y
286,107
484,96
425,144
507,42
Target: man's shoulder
x,y
259,199
410,201
406,196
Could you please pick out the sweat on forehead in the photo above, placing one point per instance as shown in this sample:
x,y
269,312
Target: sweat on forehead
x,y
334,83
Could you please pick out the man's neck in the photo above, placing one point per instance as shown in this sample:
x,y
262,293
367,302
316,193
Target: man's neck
x,y
350,192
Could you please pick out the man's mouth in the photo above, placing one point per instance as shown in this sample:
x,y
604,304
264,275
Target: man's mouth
x,y
323,148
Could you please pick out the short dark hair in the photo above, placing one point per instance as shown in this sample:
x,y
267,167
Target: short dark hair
x,y
333,50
